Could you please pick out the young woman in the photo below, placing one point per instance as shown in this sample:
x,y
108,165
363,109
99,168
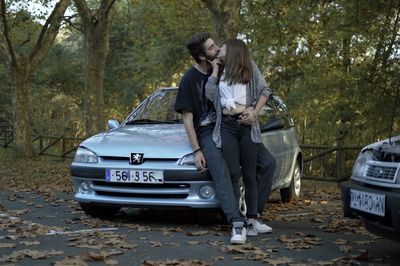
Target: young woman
x,y
238,93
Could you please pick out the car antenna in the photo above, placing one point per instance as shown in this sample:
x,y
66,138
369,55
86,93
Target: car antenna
x,y
393,114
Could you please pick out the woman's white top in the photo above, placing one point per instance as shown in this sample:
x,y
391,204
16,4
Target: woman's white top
x,y
232,94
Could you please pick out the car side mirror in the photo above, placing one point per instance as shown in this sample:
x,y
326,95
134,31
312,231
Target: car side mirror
x,y
273,124
112,123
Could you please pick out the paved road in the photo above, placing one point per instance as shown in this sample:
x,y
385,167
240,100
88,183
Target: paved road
x,y
37,229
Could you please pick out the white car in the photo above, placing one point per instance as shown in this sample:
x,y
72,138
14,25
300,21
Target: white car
x,y
147,160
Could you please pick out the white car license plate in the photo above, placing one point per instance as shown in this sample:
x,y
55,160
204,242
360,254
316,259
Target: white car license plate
x,y
134,176
367,202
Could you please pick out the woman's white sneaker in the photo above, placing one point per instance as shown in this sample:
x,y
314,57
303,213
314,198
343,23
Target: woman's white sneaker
x,y
251,229
259,227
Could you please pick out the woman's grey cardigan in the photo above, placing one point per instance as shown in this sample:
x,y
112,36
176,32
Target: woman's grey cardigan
x,y
257,87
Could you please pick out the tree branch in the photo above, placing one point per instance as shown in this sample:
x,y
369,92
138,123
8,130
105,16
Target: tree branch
x,y
76,26
84,11
10,46
49,32
107,9
210,4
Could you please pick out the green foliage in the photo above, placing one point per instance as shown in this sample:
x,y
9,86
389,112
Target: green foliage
x,y
301,45
335,63
148,46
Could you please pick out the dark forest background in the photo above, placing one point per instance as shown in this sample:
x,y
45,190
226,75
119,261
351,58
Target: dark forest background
x,y
69,66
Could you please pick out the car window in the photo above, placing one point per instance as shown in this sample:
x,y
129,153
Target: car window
x,y
267,113
281,110
158,107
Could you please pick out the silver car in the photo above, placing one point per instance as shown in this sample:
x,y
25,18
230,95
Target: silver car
x,y
147,161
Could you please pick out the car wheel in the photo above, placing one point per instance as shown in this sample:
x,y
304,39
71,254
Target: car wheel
x,y
99,211
292,192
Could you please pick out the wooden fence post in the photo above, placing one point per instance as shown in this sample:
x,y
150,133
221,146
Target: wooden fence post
x,y
40,144
340,158
63,146
5,138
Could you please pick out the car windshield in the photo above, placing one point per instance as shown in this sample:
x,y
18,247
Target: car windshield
x,y
156,109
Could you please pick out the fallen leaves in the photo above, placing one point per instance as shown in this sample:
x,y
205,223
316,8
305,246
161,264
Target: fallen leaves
x,y
7,245
100,240
39,175
29,243
197,233
175,262
306,241
33,254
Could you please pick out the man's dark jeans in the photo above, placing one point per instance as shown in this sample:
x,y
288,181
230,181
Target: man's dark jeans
x,y
266,165
220,174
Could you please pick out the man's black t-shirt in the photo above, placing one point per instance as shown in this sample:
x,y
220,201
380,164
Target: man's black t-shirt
x,y
191,98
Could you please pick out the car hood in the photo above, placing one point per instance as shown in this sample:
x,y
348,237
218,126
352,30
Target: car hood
x,y
163,141
384,143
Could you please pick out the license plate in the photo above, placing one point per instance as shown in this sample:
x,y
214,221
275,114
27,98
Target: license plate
x,y
134,176
367,202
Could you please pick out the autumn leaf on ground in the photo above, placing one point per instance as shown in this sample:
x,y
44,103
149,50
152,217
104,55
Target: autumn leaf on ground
x,y
197,233
364,242
216,258
341,241
317,220
175,262
29,243
7,245
232,249
71,261
278,261
345,249
299,243
33,254
155,243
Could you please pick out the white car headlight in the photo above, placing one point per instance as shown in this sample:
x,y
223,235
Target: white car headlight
x,y
84,155
361,163
188,159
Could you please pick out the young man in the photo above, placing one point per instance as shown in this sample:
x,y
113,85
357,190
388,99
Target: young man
x,y
198,117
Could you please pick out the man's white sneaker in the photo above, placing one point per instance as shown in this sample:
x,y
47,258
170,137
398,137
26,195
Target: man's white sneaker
x,y
259,227
238,233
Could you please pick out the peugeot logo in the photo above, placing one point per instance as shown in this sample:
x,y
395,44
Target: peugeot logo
x,y
136,158
377,171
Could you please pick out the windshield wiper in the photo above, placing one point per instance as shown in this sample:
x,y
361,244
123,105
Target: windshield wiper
x,y
142,121
150,121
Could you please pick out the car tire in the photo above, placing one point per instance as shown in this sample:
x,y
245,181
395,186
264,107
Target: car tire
x,y
292,193
98,211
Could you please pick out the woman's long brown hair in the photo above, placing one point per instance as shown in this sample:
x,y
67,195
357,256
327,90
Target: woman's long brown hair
x,y
238,67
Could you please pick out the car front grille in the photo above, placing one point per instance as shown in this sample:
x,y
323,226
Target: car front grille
x,y
157,191
381,173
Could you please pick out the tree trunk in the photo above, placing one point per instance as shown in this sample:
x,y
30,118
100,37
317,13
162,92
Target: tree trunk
x,y
22,124
96,30
96,52
226,16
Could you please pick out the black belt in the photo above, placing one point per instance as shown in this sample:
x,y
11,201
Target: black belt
x,y
232,117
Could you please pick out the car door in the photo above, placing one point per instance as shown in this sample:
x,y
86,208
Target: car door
x,y
277,135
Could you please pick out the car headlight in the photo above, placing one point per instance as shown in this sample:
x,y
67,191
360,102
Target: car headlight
x,y
188,159
361,163
84,155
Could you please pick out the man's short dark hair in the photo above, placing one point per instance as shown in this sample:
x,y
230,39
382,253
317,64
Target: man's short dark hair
x,y
195,45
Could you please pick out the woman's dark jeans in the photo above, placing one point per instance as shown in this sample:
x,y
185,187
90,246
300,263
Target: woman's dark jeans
x,y
240,150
